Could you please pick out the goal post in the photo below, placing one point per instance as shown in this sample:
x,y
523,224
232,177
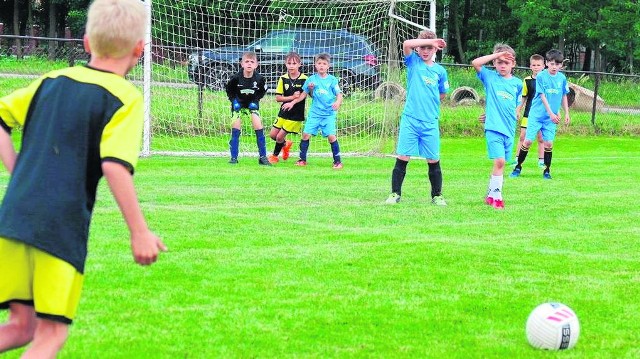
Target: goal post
x,y
193,48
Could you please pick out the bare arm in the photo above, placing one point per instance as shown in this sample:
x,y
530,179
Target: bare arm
x,y
287,106
480,61
409,45
145,245
565,106
7,151
336,105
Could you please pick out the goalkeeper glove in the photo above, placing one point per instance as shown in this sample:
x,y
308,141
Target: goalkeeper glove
x,y
235,105
253,106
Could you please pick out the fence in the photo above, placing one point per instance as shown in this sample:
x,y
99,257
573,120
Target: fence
x,y
608,103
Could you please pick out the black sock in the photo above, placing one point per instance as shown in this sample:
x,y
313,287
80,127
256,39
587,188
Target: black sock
x,y
277,148
435,177
547,158
304,147
524,151
397,176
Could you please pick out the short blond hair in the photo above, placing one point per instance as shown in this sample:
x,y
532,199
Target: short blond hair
x,y
114,27
427,34
500,47
249,55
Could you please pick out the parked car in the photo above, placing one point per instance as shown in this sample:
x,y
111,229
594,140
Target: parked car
x,y
353,58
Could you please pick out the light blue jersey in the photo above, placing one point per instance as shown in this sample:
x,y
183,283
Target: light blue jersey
x,y
425,83
503,96
324,94
553,87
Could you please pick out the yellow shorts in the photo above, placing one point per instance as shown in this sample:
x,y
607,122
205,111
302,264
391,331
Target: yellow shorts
x,y
288,125
34,277
523,122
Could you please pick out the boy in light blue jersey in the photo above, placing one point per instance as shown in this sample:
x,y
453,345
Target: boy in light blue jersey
x,y
551,94
503,92
326,100
419,133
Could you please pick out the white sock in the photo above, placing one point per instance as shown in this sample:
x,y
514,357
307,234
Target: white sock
x,y
495,186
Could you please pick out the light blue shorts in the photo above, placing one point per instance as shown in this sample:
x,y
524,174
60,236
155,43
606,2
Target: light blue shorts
x,y
326,125
418,138
498,145
546,126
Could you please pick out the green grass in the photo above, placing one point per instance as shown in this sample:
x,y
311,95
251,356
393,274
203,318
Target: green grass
x,y
291,262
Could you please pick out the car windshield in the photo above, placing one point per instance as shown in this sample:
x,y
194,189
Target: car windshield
x,y
276,42
336,44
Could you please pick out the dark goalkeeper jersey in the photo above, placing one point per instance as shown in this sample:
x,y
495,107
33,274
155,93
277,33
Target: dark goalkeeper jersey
x,y
73,120
246,89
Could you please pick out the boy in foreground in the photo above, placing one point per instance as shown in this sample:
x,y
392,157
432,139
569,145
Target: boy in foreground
x,y
551,94
78,124
244,90
419,133
503,95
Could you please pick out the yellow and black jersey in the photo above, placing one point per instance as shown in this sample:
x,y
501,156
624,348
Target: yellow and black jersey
x,y
73,120
528,91
287,87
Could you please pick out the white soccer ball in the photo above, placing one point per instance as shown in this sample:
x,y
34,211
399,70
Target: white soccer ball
x,y
553,326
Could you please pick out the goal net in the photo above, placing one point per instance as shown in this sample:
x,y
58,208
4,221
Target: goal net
x,y
196,47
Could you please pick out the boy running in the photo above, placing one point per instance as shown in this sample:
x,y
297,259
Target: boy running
x,y
79,124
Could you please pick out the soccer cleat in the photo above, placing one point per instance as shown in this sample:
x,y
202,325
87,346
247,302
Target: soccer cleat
x,y
489,200
273,159
263,161
515,173
337,165
498,204
301,163
285,149
438,201
393,198
546,175
233,161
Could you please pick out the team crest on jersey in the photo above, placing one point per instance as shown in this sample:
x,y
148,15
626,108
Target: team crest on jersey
x,y
255,84
429,81
505,95
286,86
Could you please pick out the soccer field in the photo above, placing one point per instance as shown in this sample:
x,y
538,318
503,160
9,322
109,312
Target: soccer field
x,y
309,262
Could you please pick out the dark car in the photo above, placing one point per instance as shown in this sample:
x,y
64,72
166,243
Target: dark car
x,y
353,59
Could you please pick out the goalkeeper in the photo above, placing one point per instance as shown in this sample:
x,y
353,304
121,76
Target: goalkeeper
x,y
244,90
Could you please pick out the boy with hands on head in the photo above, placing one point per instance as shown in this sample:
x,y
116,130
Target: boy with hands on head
x,y
419,133
503,92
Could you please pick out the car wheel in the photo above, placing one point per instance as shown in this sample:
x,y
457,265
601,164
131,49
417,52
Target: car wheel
x,y
215,78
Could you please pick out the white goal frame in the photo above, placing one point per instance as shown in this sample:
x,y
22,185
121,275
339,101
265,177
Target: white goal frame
x,y
146,149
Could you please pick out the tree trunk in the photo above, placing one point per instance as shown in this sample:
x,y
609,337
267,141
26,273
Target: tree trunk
x,y
53,20
16,27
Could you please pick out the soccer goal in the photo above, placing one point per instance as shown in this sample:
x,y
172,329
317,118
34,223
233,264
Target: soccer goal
x,y
195,47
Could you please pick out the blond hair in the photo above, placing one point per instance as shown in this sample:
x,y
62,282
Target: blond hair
x,y
500,47
322,56
249,55
427,34
114,27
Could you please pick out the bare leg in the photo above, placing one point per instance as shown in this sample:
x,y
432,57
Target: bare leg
x,y
19,329
49,338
